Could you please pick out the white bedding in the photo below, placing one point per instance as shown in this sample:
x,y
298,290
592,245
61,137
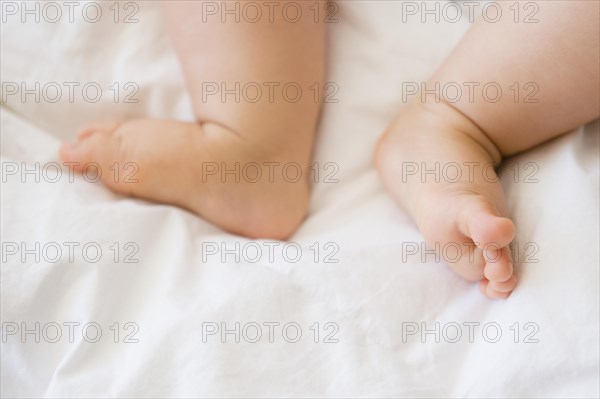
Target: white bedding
x,y
371,296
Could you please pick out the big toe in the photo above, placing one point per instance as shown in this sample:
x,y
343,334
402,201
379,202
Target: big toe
x,y
95,156
483,224
96,147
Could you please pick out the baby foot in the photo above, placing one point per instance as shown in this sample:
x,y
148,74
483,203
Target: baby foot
x,y
206,169
437,164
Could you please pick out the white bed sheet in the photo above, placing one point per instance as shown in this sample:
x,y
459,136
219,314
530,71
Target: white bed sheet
x,y
371,294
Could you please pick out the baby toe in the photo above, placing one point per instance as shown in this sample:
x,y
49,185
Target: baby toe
x,y
504,286
470,265
98,151
499,266
488,290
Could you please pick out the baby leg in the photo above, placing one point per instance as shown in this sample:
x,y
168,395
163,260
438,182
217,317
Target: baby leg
x,y
556,57
175,161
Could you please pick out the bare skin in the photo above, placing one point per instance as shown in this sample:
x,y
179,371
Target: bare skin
x,y
176,161
561,55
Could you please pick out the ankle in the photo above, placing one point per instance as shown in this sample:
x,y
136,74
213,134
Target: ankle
x,y
261,195
447,114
